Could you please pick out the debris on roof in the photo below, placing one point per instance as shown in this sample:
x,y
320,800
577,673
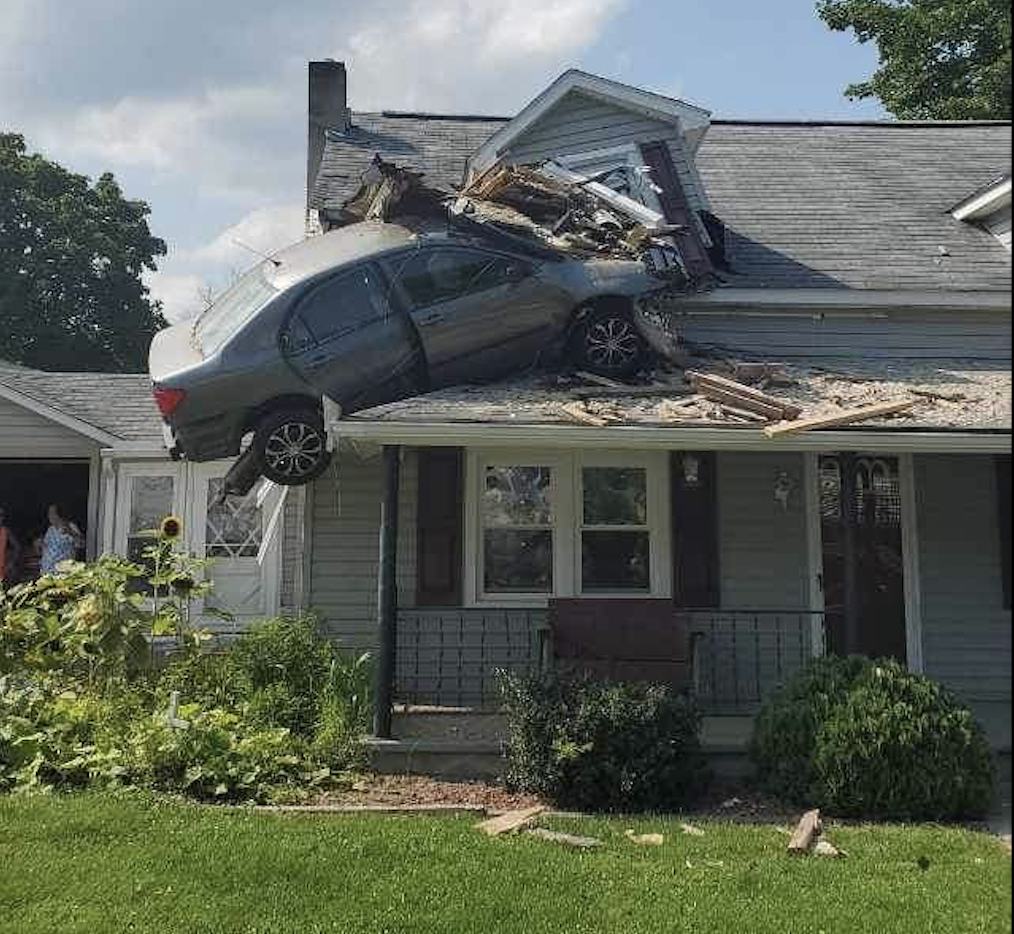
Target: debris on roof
x,y
545,209
929,394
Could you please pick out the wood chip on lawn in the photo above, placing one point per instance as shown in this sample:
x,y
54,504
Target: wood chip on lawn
x,y
646,839
511,822
565,839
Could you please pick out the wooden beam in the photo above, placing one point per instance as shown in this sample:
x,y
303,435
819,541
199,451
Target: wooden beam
x,y
707,383
807,833
841,417
511,822
387,595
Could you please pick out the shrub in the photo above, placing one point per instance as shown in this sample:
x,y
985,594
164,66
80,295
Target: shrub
x,y
219,756
901,746
286,663
345,711
599,746
786,729
871,739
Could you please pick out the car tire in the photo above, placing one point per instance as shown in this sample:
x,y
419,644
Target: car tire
x,y
291,446
608,343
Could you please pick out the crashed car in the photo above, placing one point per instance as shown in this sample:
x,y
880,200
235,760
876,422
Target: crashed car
x,y
383,309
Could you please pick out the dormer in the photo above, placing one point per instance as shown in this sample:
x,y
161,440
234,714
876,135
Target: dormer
x,y
641,144
989,208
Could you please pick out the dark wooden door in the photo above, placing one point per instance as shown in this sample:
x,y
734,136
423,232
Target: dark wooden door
x,y
863,492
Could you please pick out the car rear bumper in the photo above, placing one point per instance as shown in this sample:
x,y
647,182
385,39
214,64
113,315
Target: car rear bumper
x,y
207,440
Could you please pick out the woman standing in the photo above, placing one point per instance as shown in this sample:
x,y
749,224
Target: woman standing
x,y
62,541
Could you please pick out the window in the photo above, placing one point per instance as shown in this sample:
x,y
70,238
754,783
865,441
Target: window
x,y
567,524
339,306
517,530
615,537
151,500
233,526
234,309
435,276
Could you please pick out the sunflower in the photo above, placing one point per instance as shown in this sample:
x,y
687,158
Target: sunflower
x,y
171,528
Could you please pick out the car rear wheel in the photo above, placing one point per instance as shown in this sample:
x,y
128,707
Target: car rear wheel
x,y
608,343
292,446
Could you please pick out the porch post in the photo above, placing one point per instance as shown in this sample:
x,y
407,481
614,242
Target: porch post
x,y
850,552
387,594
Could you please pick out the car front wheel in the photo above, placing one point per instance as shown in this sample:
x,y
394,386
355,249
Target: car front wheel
x,y
292,446
608,343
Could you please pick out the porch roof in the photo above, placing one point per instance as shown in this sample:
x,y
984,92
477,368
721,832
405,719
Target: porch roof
x,y
951,397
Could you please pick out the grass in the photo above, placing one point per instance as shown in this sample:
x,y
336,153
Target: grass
x,y
109,864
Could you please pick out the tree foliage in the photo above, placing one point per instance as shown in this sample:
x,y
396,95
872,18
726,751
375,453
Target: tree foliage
x,y
71,258
939,59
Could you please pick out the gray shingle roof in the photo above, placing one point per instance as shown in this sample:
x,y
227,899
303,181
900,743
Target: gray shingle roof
x,y
435,145
808,205
860,206
119,404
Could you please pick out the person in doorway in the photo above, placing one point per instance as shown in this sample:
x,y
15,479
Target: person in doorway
x,y
62,541
10,553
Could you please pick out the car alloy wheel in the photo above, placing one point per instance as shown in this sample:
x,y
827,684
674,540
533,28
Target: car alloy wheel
x,y
612,343
294,450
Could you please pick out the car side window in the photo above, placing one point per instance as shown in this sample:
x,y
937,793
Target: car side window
x,y
442,275
341,305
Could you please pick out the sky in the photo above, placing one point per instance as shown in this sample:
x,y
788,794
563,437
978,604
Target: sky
x,y
199,108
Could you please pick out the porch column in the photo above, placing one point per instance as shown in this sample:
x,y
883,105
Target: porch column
x,y
850,552
387,594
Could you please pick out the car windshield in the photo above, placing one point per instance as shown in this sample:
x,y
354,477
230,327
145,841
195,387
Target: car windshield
x,y
234,309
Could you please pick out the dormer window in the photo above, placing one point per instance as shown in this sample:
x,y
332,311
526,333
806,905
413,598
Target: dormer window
x,y
989,208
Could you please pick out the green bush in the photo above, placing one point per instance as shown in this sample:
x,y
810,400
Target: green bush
x,y
871,739
901,746
785,732
599,746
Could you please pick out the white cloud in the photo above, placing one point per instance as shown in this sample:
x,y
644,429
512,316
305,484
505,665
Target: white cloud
x,y
470,54
188,276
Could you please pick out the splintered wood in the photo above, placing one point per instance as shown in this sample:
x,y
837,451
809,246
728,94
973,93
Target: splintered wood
x,y
739,396
511,822
807,833
842,417
565,839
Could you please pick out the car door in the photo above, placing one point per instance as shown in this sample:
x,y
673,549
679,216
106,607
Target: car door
x,y
479,314
347,340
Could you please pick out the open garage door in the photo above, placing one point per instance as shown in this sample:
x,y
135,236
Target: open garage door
x,y
28,488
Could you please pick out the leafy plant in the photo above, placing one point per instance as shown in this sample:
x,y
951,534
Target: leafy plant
x,y
345,710
901,746
601,746
872,739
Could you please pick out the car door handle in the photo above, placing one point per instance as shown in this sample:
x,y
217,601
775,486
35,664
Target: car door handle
x,y
434,317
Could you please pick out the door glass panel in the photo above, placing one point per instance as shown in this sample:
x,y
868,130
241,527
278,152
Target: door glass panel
x,y
151,500
233,528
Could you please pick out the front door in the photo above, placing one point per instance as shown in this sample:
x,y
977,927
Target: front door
x,y
241,537
864,580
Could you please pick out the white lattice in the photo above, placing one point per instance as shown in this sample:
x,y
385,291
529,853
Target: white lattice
x,y
233,527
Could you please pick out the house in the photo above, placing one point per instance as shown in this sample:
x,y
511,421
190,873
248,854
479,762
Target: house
x,y
872,260
92,442
664,536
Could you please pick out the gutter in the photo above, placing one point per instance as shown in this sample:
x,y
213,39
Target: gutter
x,y
816,301
644,437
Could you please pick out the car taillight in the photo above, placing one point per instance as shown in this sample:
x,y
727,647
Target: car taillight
x,y
167,399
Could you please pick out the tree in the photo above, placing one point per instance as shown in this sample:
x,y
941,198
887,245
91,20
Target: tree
x,y
939,59
71,259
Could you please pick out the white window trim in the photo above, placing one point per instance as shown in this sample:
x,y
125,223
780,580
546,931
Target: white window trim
x,y
566,469
626,156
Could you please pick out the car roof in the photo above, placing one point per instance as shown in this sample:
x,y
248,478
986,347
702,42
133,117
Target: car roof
x,y
328,251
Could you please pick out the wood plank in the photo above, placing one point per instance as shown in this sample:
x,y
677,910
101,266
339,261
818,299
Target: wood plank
x,y
842,417
565,839
705,381
511,822
736,400
578,413
807,833
601,380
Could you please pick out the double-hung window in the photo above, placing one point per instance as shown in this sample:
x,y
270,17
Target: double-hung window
x,y
567,524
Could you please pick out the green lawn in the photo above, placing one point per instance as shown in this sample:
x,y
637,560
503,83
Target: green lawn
x,y
103,864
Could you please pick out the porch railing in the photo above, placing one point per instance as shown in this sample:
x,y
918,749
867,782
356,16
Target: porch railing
x,y
450,657
741,656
